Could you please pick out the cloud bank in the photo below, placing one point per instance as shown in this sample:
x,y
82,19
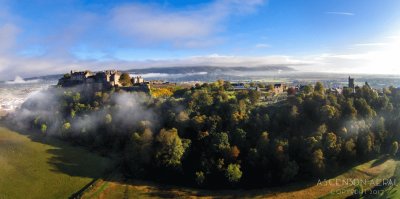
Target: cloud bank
x,y
189,28
340,13
139,25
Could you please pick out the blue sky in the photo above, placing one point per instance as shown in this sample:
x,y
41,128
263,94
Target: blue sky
x,y
45,37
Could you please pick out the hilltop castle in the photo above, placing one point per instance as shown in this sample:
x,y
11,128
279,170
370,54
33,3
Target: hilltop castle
x,y
99,81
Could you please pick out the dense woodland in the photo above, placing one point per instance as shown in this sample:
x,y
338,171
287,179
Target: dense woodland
x,y
210,136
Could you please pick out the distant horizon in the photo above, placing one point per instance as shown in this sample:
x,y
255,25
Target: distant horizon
x,y
291,73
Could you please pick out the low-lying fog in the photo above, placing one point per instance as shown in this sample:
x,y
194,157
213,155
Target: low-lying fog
x,y
14,93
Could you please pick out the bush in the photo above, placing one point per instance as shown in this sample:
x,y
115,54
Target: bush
x,y
200,177
43,128
233,173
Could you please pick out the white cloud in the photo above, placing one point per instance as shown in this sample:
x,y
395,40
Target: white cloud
x,y
221,60
8,30
152,24
8,35
340,13
198,43
371,44
155,23
381,59
46,66
262,45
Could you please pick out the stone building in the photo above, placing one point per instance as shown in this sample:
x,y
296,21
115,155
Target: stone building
x,y
279,88
351,83
98,81
110,77
80,75
137,80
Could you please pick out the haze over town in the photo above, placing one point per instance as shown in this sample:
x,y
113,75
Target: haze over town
x,y
340,36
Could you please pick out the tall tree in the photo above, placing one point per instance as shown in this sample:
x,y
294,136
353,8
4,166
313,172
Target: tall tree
x,y
394,148
233,173
319,88
318,161
170,148
125,79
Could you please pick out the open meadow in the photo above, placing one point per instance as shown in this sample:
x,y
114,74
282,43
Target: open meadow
x,y
42,167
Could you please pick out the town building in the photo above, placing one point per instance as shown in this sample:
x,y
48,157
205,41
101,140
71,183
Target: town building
x,y
351,85
238,86
336,91
279,88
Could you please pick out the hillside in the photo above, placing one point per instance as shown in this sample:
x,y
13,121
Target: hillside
x,y
44,167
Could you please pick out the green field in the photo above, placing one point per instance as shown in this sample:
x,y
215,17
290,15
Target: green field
x,y
42,167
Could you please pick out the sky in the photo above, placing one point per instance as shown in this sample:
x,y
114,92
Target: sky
x,y
41,37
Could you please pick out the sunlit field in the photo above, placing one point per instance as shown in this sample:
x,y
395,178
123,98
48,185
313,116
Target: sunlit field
x,y
38,167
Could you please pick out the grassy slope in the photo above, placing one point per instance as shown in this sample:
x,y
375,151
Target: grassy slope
x,y
392,191
136,189
46,168
374,174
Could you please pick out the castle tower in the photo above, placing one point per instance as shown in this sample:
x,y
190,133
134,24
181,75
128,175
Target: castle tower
x,y
351,82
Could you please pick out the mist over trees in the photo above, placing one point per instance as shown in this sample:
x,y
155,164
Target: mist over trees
x,y
209,136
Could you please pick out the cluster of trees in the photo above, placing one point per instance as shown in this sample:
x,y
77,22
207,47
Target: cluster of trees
x,y
125,79
208,136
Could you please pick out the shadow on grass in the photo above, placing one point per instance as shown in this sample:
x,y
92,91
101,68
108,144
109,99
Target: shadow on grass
x,y
380,160
384,189
74,161
157,190
165,191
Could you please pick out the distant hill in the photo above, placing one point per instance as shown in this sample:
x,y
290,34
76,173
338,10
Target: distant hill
x,y
197,73
209,69
209,73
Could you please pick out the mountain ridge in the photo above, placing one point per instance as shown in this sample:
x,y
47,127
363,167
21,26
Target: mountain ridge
x,y
208,72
